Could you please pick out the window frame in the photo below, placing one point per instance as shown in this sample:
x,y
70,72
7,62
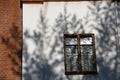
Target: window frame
x,y
78,36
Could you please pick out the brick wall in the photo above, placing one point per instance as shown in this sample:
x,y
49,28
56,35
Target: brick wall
x,y
10,40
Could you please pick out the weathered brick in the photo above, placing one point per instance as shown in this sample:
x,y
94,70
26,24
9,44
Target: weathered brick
x,y
10,12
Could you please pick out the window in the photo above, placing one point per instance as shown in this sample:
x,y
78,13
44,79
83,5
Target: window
x,y
79,54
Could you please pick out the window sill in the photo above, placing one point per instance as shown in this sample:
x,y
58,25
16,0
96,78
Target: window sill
x,y
81,73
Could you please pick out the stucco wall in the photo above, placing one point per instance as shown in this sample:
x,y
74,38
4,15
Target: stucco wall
x,y
44,26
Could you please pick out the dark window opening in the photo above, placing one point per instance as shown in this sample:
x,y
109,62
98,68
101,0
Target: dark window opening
x,y
79,54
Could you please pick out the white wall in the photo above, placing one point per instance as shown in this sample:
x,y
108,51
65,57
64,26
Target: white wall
x,y
44,26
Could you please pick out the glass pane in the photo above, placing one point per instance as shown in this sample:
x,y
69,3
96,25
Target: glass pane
x,y
71,50
72,63
84,63
87,58
71,41
86,50
86,40
91,62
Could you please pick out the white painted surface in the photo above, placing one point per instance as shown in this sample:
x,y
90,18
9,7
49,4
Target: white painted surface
x,y
53,46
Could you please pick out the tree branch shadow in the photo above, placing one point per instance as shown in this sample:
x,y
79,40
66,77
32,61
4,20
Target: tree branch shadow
x,y
43,65
12,41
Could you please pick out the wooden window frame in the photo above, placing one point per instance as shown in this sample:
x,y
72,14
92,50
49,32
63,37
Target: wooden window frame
x,y
78,36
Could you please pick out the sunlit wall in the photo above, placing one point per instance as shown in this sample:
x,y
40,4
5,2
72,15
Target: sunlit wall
x,y
44,26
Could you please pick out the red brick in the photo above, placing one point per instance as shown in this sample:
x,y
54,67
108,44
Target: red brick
x,y
10,12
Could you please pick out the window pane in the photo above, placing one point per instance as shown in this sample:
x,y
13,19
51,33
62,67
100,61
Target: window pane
x,y
72,63
71,50
87,58
91,62
86,40
86,50
71,41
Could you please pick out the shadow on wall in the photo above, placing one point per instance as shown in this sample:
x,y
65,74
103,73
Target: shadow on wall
x,y
12,42
107,41
38,66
